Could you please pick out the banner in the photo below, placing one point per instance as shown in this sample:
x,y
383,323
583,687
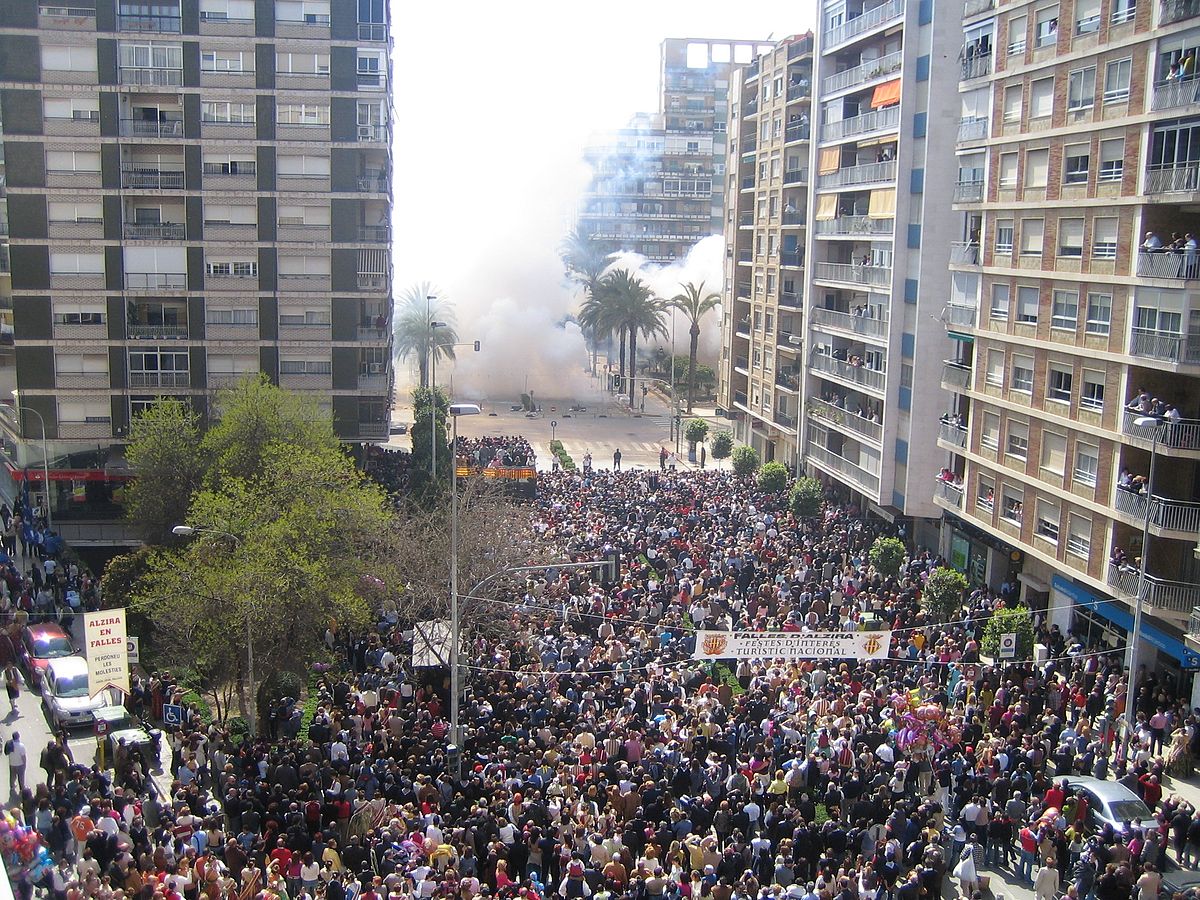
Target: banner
x,y
792,645
107,650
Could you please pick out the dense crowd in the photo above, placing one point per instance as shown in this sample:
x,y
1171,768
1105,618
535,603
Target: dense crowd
x,y
600,761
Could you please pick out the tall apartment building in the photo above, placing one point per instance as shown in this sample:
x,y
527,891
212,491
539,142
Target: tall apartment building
x,y
657,187
196,189
876,275
761,367
1078,147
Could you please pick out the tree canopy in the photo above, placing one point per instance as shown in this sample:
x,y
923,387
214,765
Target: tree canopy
x,y
164,451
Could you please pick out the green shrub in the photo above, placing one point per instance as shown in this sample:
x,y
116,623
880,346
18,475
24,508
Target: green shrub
x,y
772,477
887,555
695,431
1017,621
721,445
942,596
805,498
565,462
745,460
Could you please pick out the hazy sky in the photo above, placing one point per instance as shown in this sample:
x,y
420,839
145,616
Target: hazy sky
x,y
494,103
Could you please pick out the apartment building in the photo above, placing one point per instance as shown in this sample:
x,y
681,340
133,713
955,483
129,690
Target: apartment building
x,y
195,190
875,274
657,186
1078,167
760,372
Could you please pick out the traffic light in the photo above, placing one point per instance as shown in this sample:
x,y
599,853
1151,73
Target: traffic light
x,y
477,346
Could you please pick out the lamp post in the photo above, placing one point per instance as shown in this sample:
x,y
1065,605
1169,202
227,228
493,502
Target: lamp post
x,y
1136,635
433,326
252,706
45,459
456,410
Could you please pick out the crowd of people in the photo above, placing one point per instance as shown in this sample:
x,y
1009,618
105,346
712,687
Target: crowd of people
x,y
499,450
598,760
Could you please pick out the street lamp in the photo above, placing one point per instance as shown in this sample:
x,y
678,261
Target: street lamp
x,y
433,397
1135,636
252,706
456,410
45,458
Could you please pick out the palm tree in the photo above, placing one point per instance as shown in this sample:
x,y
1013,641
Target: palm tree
x,y
585,264
694,303
636,311
414,334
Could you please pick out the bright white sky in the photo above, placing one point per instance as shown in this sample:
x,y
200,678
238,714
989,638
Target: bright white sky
x,y
494,103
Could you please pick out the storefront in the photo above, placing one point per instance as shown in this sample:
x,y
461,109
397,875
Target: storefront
x,y
985,561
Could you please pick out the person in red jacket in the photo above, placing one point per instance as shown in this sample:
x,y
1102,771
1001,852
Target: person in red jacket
x,y
1151,790
1056,796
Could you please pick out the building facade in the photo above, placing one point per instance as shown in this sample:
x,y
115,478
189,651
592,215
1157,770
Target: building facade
x,y
195,190
1075,318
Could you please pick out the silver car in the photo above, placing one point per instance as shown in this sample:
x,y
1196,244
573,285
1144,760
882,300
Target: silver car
x,y
65,693
1110,803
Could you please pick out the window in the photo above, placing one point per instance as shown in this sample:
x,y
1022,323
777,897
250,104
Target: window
x,y
1018,26
1041,98
1099,314
234,269
1001,296
1059,384
1054,452
1004,236
81,364
304,166
1087,16
1032,233
302,114
305,367
371,68
80,110
1123,11
225,164
1047,520
226,61
985,496
1012,504
1028,300
1022,374
302,63
1092,395
232,113
224,10
1112,159
79,314
230,214
246,316
66,263
1116,80
1037,168
1017,443
72,161
1047,27
1104,239
1076,161
1070,238
1079,536
69,59
994,374
90,211
989,432
151,56
1008,170
1081,88
1064,311
1012,103
1087,463
307,12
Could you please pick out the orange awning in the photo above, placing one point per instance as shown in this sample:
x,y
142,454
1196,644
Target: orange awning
x,y
826,207
886,94
830,161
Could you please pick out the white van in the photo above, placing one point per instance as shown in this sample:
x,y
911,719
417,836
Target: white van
x,y
65,693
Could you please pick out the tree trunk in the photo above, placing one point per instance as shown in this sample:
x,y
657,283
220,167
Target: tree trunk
x,y
621,370
423,369
691,393
632,365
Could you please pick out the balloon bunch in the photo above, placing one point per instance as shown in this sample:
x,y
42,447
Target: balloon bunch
x,y
24,853
921,725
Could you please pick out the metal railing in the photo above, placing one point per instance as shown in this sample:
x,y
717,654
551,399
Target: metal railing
x,y
968,191
973,128
789,381
1173,178
794,218
797,131
165,24
790,299
876,276
1166,345
1168,265
953,434
950,493
156,332
798,91
795,176
1177,10
964,253
371,133
876,120
157,231
868,71
844,420
155,281
374,234
142,179
961,315
854,225
159,379
834,318
871,18
869,173
977,67
793,258
1160,593
1182,435
372,333
373,430
956,374
150,76
861,376
151,128
1165,513
785,420
1173,94
842,466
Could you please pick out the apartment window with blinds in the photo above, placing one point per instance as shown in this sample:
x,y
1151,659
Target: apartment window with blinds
x,y
1012,103
1076,162
1091,396
1017,442
1070,238
1008,170
1104,238
228,113
1054,452
1112,159
994,373
302,114
1099,313
1087,463
1064,312
72,160
1037,168
1028,300
1046,33
1022,374
1059,384
226,61
1087,16
1032,235
1081,88
1001,301
79,313
1004,237
1041,98
244,316
305,367
989,433
1116,80
69,59
1012,502
1018,27
1079,536
1047,520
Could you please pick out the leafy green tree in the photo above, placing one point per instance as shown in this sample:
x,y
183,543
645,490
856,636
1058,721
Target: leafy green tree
x,y
773,477
164,453
942,595
722,445
635,311
1017,620
413,331
887,555
419,473
745,460
694,303
806,497
695,431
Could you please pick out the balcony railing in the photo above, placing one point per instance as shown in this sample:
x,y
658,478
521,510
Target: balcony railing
x,y
163,24
790,299
746,220
964,253
150,77
792,258
855,225
961,315
1173,94
948,493
372,333
1166,345
977,67
968,192
155,281
789,381
372,133
876,120
1159,593
794,218
871,18
870,173
159,379
857,375
1176,178
786,420
1165,513
798,91
1180,266
370,282
797,131
876,276
157,231
956,374
374,234
151,128
748,183
833,318
953,434
844,420
795,176
373,431
1177,10
841,466
157,332
868,71
974,128
138,178
1182,435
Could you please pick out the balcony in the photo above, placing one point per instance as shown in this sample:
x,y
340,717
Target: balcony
x,y
870,19
977,67
797,131
842,467
372,282
1177,10
789,381
155,231
868,71
742,363
373,431
955,375
1159,593
746,220
159,379
947,495
745,256
91,428
964,253
845,421
1173,95
1166,515
849,273
955,435
748,183
155,281
977,7
141,178
968,192
843,321
157,332
961,315
146,77
1183,435
798,92
372,134
795,176
785,420
870,173
1176,266
790,299
794,218
792,259
372,381
372,333
374,234
150,23
1169,346
749,145
859,376
373,183
1173,179
855,225
151,128
876,120
974,128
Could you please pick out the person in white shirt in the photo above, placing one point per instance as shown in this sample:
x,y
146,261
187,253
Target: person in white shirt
x,y
18,756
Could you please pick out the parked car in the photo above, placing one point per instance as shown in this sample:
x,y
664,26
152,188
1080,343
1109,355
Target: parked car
x,y
40,644
65,693
1110,803
137,736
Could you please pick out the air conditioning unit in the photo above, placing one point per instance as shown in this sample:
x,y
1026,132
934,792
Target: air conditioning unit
x,y
366,132
375,368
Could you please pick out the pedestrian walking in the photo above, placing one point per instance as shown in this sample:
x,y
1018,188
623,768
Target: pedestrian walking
x,y
12,684
617,459
703,455
17,757
1045,886
662,459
